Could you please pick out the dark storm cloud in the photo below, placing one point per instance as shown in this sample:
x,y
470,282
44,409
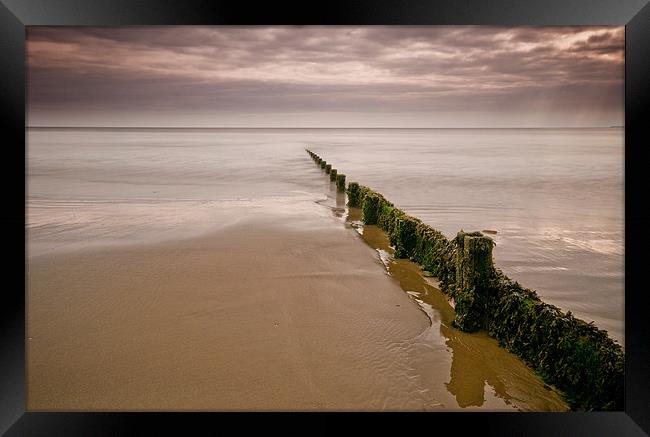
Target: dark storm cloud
x,y
363,69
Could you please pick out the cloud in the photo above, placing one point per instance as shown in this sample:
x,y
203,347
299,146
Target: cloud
x,y
315,68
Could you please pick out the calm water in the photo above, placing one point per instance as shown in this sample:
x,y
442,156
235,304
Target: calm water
x,y
555,196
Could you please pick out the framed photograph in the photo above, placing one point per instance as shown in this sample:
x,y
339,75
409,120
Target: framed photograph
x,y
350,207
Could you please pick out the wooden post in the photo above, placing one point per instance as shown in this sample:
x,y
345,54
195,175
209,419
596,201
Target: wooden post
x,y
353,195
474,269
370,208
340,182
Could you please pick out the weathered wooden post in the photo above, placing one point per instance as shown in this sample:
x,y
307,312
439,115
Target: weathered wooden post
x,y
333,174
340,182
354,192
323,163
328,168
405,236
474,270
370,208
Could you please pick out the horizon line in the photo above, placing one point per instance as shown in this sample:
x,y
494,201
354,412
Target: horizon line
x,y
317,127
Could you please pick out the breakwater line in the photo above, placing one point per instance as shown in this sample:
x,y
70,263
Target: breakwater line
x,y
573,355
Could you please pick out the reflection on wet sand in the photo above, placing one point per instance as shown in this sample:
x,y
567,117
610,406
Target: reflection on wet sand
x,y
481,374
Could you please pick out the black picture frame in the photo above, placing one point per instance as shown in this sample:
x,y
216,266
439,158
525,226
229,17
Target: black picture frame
x,y
15,15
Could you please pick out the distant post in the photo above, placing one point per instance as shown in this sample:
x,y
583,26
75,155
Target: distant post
x,y
340,182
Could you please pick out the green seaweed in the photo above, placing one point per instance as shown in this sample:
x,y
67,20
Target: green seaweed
x,y
474,271
354,194
370,208
340,182
434,252
575,356
405,239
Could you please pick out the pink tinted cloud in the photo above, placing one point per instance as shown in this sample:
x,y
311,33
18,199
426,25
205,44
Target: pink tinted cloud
x,y
302,68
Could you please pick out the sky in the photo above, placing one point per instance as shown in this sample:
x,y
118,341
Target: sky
x,y
325,76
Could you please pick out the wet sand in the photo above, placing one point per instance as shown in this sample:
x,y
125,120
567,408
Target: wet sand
x,y
280,309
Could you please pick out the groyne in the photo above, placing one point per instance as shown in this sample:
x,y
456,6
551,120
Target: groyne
x,y
573,355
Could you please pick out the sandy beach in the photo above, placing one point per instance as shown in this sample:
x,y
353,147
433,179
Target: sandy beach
x,y
280,309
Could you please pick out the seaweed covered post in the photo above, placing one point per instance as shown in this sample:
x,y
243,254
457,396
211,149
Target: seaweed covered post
x,y
328,168
370,208
333,175
323,163
575,356
354,192
405,236
434,252
474,271
340,182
